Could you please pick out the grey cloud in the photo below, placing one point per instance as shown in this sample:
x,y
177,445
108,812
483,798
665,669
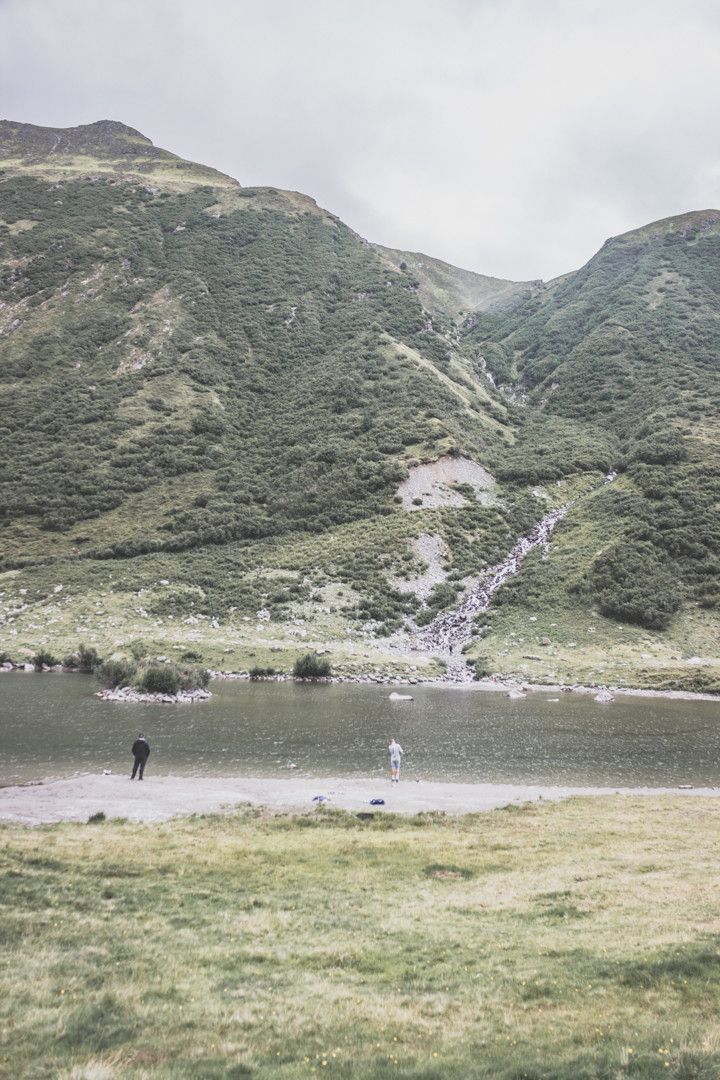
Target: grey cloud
x,y
508,136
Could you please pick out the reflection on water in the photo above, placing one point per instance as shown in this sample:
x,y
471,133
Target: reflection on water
x,y
53,725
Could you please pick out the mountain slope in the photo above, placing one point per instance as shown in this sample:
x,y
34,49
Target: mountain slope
x,y
256,343
447,290
626,350
105,148
192,369
213,399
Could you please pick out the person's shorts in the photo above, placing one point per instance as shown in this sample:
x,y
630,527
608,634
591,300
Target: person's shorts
x,y
395,763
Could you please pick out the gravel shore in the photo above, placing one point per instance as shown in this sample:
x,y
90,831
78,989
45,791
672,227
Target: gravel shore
x,y
158,798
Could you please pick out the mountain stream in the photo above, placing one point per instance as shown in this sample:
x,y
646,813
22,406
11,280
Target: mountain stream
x,y
450,631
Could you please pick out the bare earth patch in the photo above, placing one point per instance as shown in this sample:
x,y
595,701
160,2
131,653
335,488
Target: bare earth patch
x,y
434,483
432,550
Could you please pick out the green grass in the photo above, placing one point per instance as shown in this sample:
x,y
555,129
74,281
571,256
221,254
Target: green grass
x,y
546,627
561,942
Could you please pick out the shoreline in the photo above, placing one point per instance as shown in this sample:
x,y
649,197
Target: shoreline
x,y
504,684
159,798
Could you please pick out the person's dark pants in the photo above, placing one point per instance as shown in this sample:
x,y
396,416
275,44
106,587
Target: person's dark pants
x,y
140,763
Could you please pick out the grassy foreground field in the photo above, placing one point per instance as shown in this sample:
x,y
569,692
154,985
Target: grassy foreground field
x,y
571,940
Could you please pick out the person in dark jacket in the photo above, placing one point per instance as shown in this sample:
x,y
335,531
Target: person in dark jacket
x,y
141,752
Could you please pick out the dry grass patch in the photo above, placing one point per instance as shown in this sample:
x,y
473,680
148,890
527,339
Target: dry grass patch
x,y
565,941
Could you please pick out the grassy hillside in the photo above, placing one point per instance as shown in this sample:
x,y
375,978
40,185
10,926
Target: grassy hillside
x,y
619,362
447,290
105,148
212,394
216,370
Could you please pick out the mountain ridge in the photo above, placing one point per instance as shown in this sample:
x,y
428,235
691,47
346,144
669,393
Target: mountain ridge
x,y
101,147
257,382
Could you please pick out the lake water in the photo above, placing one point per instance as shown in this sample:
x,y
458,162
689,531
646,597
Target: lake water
x,y
53,725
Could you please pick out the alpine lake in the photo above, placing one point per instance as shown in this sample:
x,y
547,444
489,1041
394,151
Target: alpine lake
x,y
53,725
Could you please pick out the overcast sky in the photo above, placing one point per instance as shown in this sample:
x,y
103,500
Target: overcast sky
x,y
507,136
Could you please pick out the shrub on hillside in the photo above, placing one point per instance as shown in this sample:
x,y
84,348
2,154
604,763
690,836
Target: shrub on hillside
x,y
87,659
114,673
169,679
43,658
660,448
311,666
442,596
482,668
258,672
194,678
160,679
630,582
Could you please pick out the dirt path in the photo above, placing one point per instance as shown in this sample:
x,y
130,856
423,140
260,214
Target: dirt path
x,y
158,798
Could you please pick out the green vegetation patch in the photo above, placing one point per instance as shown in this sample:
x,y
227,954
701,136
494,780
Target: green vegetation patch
x,y
502,945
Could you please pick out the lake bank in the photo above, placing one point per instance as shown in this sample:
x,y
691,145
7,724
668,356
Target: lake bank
x,y
159,798
503,684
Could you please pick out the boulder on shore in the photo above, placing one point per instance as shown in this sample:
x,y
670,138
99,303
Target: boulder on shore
x,y
127,693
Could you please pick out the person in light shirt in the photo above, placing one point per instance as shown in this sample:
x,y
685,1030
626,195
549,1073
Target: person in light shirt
x,y
396,752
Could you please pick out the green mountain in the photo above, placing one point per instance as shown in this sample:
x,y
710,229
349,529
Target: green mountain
x,y
218,401
446,290
103,149
619,362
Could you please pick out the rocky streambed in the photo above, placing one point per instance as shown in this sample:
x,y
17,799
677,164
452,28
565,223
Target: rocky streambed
x,y
449,632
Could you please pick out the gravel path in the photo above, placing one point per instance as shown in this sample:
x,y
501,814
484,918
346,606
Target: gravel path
x,y
158,798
